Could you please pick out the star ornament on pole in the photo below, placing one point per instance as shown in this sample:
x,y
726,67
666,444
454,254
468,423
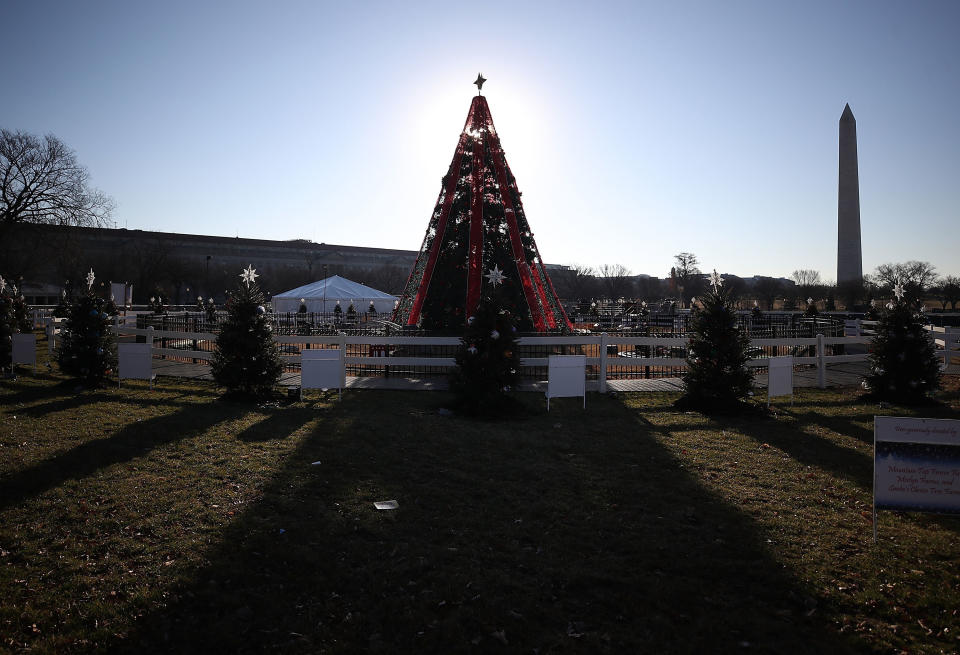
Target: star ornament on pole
x,y
495,276
249,275
90,278
479,82
716,281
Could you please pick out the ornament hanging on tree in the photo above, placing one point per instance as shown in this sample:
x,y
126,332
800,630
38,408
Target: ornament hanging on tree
x,y
495,276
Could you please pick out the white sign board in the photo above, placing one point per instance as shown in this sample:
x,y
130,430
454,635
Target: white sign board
x,y
566,377
25,349
134,362
916,464
321,369
780,377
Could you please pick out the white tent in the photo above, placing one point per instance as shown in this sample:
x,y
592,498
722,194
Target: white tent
x,y
322,297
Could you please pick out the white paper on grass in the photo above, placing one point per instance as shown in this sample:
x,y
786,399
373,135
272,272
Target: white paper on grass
x,y
134,361
780,376
321,369
386,504
24,349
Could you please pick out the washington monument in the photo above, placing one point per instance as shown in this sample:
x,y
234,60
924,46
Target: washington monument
x,y
849,259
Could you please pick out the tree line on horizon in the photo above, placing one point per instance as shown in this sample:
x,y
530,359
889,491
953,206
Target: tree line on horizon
x,y
42,183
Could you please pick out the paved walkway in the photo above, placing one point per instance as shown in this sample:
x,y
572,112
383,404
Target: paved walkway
x,y
837,375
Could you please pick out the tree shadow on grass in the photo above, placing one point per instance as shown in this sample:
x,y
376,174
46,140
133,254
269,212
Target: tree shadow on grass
x,y
280,424
134,440
587,537
47,399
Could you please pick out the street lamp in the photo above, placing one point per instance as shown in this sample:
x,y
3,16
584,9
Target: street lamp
x,y
324,290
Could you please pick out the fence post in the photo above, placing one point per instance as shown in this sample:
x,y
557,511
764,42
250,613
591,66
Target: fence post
x,y
343,360
150,337
603,363
821,367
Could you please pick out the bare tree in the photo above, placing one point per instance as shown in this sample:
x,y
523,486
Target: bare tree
x,y
575,281
915,276
768,289
616,280
948,291
807,281
42,182
686,276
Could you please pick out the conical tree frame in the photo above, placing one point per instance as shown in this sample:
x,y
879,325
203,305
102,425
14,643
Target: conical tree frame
x,y
479,226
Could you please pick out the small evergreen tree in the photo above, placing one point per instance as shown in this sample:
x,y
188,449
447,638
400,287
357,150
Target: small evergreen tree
x,y
487,361
87,348
903,363
211,312
717,375
7,327
156,303
246,360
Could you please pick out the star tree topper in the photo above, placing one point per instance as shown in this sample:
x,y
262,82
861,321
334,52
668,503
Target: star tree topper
x,y
716,281
479,82
495,276
90,278
249,275
898,290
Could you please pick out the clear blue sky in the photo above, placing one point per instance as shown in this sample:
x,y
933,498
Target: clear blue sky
x,y
636,130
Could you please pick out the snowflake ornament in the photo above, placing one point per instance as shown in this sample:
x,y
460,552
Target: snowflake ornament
x,y
898,290
716,281
495,276
249,275
90,278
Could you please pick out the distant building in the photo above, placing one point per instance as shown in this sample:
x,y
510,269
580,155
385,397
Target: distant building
x,y
186,265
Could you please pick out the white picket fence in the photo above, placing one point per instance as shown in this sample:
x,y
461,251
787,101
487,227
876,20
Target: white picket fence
x,y
613,355
609,351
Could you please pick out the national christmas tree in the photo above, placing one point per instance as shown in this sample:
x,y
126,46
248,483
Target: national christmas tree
x,y
87,348
487,360
903,363
717,375
478,225
246,360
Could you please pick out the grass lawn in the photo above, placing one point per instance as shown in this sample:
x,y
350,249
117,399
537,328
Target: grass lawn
x,y
173,521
